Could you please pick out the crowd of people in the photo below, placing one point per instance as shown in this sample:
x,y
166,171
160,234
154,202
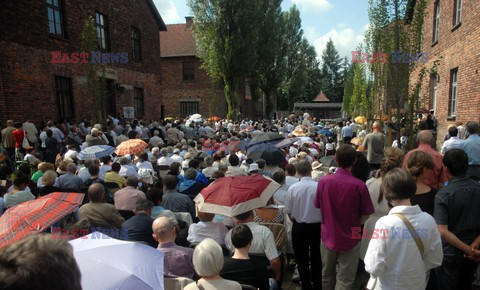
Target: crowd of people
x,y
408,218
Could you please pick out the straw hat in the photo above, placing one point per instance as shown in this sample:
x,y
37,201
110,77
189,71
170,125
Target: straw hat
x,y
316,165
301,156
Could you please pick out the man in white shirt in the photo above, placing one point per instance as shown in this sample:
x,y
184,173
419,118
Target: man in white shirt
x,y
306,218
205,228
234,169
263,242
453,142
164,160
176,156
290,178
127,169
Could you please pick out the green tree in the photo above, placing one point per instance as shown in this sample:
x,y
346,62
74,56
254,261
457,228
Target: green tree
x,y
293,87
227,36
313,85
395,26
332,79
95,83
271,51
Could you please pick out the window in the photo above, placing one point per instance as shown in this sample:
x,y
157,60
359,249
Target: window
x,y
457,12
436,21
136,48
102,30
139,102
63,92
452,101
188,108
55,17
188,71
433,92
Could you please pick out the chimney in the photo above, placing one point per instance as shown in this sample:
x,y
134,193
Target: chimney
x,y
188,22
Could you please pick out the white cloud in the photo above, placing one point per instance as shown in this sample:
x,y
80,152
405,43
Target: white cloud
x,y
314,5
344,38
168,11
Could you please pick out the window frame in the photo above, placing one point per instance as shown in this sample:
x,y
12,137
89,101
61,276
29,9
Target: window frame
x,y
434,81
453,93
103,27
457,13
59,9
189,107
185,76
436,22
138,95
136,41
61,93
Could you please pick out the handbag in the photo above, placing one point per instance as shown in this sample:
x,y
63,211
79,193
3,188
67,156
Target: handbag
x,y
25,143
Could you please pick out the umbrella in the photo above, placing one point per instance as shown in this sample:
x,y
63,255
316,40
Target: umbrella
x,y
357,141
231,196
95,152
107,263
326,132
132,146
360,120
265,137
286,142
268,152
304,140
34,216
328,161
214,119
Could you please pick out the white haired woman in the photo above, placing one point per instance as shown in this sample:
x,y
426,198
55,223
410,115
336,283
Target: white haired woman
x,y
208,262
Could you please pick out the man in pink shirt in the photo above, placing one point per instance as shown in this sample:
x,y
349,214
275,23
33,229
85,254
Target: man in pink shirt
x,y
126,198
438,174
345,204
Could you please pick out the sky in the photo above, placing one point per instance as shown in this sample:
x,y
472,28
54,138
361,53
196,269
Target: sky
x,y
344,21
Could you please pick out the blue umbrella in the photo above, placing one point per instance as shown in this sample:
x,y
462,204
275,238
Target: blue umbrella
x,y
95,152
327,133
286,142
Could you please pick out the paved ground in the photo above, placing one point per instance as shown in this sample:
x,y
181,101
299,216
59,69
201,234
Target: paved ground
x,y
360,282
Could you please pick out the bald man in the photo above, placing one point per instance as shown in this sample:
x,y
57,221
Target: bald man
x,y
439,174
177,260
375,143
101,214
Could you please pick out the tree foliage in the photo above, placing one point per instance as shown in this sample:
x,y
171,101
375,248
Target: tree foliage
x,y
95,84
332,73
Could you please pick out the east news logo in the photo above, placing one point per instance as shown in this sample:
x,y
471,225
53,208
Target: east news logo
x,y
382,57
93,57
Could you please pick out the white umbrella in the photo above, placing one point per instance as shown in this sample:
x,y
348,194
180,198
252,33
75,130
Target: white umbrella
x,y
303,140
110,264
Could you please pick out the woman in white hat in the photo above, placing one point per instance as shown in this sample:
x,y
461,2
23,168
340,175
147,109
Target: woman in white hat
x,y
317,172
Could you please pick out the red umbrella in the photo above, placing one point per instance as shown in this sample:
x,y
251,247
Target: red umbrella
x,y
34,216
231,196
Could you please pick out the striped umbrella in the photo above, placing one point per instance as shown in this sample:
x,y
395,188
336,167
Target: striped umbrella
x,y
231,196
95,152
132,146
34,216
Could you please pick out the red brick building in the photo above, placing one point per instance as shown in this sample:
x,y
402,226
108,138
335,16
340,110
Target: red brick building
x,y
32,87
187,89
452,36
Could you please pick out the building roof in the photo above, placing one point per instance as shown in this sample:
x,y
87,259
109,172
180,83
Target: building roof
x,y
177,41
158,18
337,106
321,98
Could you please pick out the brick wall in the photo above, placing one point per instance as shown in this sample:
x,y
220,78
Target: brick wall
x,y
456,48
175,89
27,75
